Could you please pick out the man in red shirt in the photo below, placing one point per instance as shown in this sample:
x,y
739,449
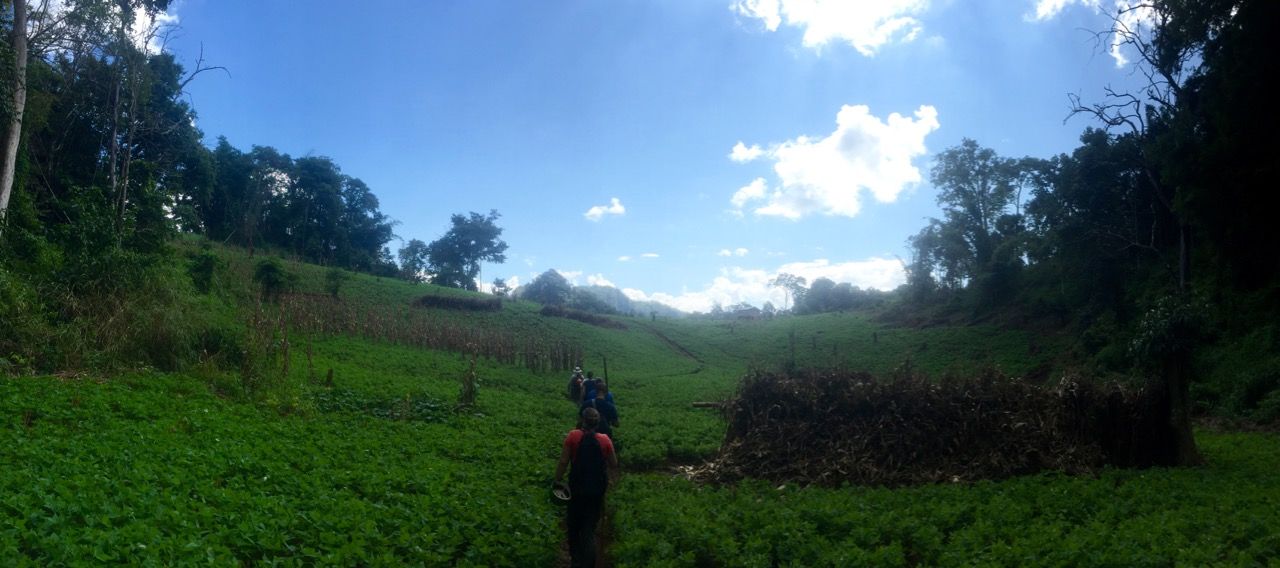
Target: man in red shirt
x,y
594,462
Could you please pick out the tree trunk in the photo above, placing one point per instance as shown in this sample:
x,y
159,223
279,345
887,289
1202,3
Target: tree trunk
x,y
14,134
1177,379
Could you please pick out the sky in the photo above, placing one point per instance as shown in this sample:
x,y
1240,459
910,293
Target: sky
x,y
685,151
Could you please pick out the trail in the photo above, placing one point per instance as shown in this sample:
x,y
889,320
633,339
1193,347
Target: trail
x,y
679,348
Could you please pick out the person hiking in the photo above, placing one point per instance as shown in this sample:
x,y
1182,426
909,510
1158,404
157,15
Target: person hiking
x,y
603,404
588,387
594,462
575,390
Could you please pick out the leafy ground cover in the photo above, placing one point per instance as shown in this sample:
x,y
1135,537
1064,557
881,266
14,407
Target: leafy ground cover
x,y
1225,514
379,469
152,469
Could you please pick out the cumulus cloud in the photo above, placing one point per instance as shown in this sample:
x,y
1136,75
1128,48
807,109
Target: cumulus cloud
x,y
752,191
828,175
624,258
599,211
649,255
735,252
1133,16
866,25
513,282
742,154
599,280
736,284
571,275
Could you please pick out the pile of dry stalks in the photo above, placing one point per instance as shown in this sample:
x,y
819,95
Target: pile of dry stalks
x,y
830,428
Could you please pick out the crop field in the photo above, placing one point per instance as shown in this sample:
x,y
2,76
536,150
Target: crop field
x,y
378,468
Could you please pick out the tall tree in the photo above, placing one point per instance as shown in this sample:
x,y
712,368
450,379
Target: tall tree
x,y
18,105
792,287
413,261
454,259
1178,45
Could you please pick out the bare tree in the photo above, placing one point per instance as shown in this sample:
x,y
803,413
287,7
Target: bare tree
x,y
1166,64
13,134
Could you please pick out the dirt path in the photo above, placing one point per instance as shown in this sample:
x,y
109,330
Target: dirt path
x,y
679,348
604,538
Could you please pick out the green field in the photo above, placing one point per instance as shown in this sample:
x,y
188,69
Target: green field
x,y
153,468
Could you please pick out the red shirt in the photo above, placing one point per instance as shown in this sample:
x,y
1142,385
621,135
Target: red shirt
x,y
575,437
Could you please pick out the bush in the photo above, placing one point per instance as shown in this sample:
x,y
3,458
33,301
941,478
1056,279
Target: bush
x,y
334,278
202,268
273,279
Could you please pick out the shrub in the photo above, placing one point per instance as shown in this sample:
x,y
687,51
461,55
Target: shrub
x,y
334,278
273,279
202,268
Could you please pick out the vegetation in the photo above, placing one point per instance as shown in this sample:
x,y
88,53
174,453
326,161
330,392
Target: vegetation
x,y
210,356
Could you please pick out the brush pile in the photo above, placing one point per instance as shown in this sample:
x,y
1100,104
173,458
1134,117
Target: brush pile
x,y
830,428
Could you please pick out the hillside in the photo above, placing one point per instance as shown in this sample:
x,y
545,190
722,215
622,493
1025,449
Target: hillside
x,y
377,468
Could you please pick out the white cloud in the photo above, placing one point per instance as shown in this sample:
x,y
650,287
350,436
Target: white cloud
x,y
1133,16
735,252
571,275
742,154
624,258
649,255
736,284
513,282
749,192
599,280
145,32
599,211
827,175
1048,9
865,25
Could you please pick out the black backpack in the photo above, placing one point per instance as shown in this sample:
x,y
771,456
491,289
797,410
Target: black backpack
x,y
588,477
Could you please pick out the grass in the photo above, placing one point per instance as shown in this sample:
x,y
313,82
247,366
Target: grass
x,y
156,469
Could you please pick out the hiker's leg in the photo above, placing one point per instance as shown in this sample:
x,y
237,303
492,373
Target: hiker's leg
x,y
573,522
590,522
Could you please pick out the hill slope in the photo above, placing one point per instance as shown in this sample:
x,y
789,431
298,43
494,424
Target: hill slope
x,y
375,466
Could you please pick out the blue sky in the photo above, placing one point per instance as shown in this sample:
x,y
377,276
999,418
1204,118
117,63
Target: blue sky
x,y
546,110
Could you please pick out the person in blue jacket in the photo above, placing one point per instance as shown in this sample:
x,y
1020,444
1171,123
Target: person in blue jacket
x,y
601,403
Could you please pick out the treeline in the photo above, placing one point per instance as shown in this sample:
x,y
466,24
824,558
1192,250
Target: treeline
x,y
1163,200
110,158
1151,239
305,206
103,166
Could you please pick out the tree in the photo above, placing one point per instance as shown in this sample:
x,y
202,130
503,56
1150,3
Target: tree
x,y
792,286
1177,45
817,299
454,259
977,241
549,288
500,288
413,261
18,102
